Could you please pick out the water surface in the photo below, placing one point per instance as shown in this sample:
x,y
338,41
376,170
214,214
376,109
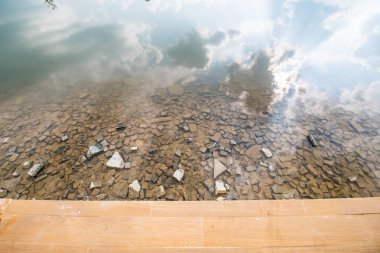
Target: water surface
x,y
216,80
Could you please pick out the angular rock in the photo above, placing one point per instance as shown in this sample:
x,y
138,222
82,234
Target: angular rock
x,y
267,152
135,186
116,161
35,169
15,173
279,189
220,188
26,164
96,184
159,191
216,137
219,168
178,174
3,193
127,165
65,138
178,153
253,152
94,150
120,127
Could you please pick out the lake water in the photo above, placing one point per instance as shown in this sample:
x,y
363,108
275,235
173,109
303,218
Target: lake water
x,y
208,91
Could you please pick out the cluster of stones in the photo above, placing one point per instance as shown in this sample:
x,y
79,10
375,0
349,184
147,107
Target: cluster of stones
x,y
182,144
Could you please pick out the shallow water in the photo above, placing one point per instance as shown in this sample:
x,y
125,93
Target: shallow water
x,y
213,81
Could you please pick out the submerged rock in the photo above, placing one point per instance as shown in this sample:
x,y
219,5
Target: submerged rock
x,y
266,152
220,188
178,174
219,168
26,164
94,150
253,152
116,161
35,169
95,184
135,186
312,140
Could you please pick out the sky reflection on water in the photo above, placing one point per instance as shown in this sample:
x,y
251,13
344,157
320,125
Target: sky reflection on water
x,y
327,50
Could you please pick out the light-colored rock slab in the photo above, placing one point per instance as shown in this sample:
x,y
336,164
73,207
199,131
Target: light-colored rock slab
x,y
178,174
135,186
267,152
116,161
35,169
220,188
219,168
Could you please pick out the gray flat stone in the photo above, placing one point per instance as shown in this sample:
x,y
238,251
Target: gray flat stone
x,y
219,168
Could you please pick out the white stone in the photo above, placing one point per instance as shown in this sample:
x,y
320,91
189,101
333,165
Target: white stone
x,y
219,187
26,164
35,169
266,152
15,174
133,148
116,161
127,165
219,168
135,186
65,138
96,184
5,140
353,178
178,152
178,174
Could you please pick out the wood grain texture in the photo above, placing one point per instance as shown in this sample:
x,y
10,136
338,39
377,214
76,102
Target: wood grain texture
x,y
334,225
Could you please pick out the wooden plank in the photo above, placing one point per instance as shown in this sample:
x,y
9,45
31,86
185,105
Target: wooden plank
x,y
105,231
261,208
197,209
80,208
289,231
324,249
38,248
336,225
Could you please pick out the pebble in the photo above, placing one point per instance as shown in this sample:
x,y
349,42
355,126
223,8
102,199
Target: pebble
x,y
94,150
352,178
267,152
35,169
133,148
3,193
216,137
220,188
96,184
5,140
160,191
178,153
127,165
65,138
135,186
15,174
178,174
26,164
116,161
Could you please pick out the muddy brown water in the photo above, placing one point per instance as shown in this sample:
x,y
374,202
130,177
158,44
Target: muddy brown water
x,y
194,94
